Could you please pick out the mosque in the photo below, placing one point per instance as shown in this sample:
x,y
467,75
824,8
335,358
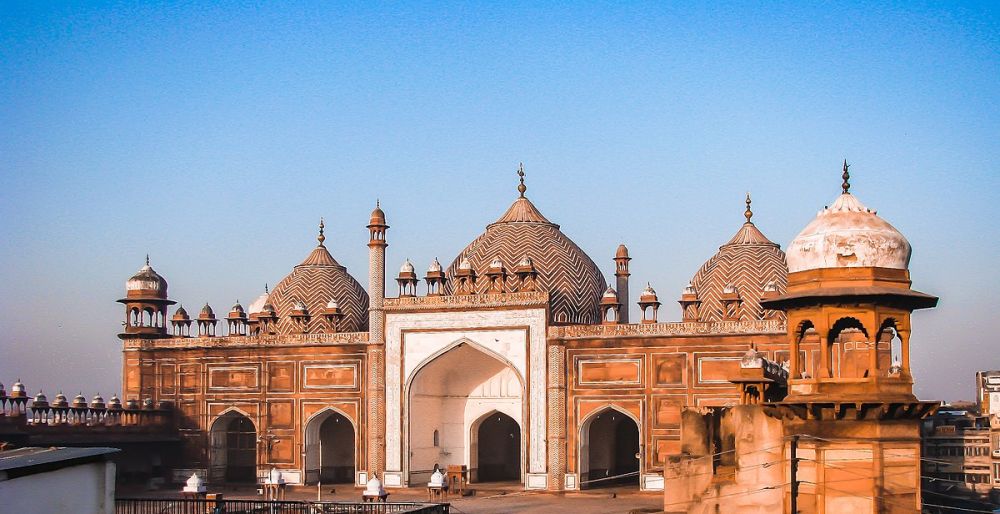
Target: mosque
x,y
519,361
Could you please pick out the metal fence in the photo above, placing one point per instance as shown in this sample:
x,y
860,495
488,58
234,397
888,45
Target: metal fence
x,y
205,506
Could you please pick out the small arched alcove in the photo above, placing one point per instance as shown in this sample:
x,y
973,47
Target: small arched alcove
x,y
609,449
233,448
329,448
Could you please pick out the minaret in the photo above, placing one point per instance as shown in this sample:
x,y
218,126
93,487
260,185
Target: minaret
x,y
621,280
376,343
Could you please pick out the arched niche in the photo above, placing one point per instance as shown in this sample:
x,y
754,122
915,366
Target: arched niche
x,y
233,448
448,393
330,443
610,441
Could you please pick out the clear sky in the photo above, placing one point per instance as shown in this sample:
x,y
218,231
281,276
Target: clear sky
x,y
214,137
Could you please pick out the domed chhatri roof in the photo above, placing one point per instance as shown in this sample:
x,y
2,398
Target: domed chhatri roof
x,y
146,283
574,283
314,282
258,304
846,235
747,263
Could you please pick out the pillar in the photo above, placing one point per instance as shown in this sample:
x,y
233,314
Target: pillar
x,y
375,380
557,417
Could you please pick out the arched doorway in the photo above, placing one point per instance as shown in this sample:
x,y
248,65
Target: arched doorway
x,y
234,449
497,440
330,448
609,449
448,398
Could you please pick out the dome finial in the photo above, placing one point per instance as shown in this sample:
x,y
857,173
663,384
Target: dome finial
x,y
847,176
147,259
321,237
265,289
521,188
748,213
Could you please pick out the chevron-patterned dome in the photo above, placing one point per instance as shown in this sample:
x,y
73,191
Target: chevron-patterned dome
x,y
315,282
747,265
571,278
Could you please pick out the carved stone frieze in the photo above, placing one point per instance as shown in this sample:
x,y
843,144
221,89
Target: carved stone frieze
x,y
690,328
179,343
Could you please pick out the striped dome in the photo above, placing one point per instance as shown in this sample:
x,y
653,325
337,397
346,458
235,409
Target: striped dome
x,y
314,282
749,263
571,278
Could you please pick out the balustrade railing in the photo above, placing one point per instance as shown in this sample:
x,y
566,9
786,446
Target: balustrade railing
x,y
222,506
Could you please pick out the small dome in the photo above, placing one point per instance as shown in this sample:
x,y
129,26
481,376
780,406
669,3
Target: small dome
x,y
729,289
771,287
465,265
258,304
237,307
407,267
181,314
374,487
80,401
848,235
332,304
40,400
525,262
132,404
17,390
114,403
435,266
622,252
299,306
206,312
496,263
194,483
648,292
610,293
690,289
378,217
2,391
146,283
60,401
97,402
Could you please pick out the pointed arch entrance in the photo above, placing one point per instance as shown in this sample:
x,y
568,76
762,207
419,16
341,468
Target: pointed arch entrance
x,y
609,449
450,398
233,448
495,451
329,447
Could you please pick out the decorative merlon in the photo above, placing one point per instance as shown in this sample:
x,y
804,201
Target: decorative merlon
x,y
180,343
458,302
684,328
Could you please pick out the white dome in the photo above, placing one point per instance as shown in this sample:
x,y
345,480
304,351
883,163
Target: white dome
x,y
407,267
434,267
258,304
848,235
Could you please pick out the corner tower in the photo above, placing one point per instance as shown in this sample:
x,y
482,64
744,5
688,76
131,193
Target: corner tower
x,y
857,419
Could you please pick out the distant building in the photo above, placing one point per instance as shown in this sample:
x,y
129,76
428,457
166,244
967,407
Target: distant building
x,y
988,392
957,451
57,480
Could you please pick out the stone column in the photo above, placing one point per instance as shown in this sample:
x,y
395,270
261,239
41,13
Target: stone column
x,y
557,416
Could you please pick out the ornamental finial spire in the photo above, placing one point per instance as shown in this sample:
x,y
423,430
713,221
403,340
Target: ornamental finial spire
x,y
748,213
147,259
847,177
521,188
265,289
321,237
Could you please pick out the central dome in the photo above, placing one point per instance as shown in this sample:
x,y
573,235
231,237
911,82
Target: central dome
x,y
571,278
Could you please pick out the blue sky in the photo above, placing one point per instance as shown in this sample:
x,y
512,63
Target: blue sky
x,y
214,137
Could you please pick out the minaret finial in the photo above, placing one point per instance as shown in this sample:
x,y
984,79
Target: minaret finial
x,y
847,176
321,237
748,213
377,203
265,289
521,188
147,259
